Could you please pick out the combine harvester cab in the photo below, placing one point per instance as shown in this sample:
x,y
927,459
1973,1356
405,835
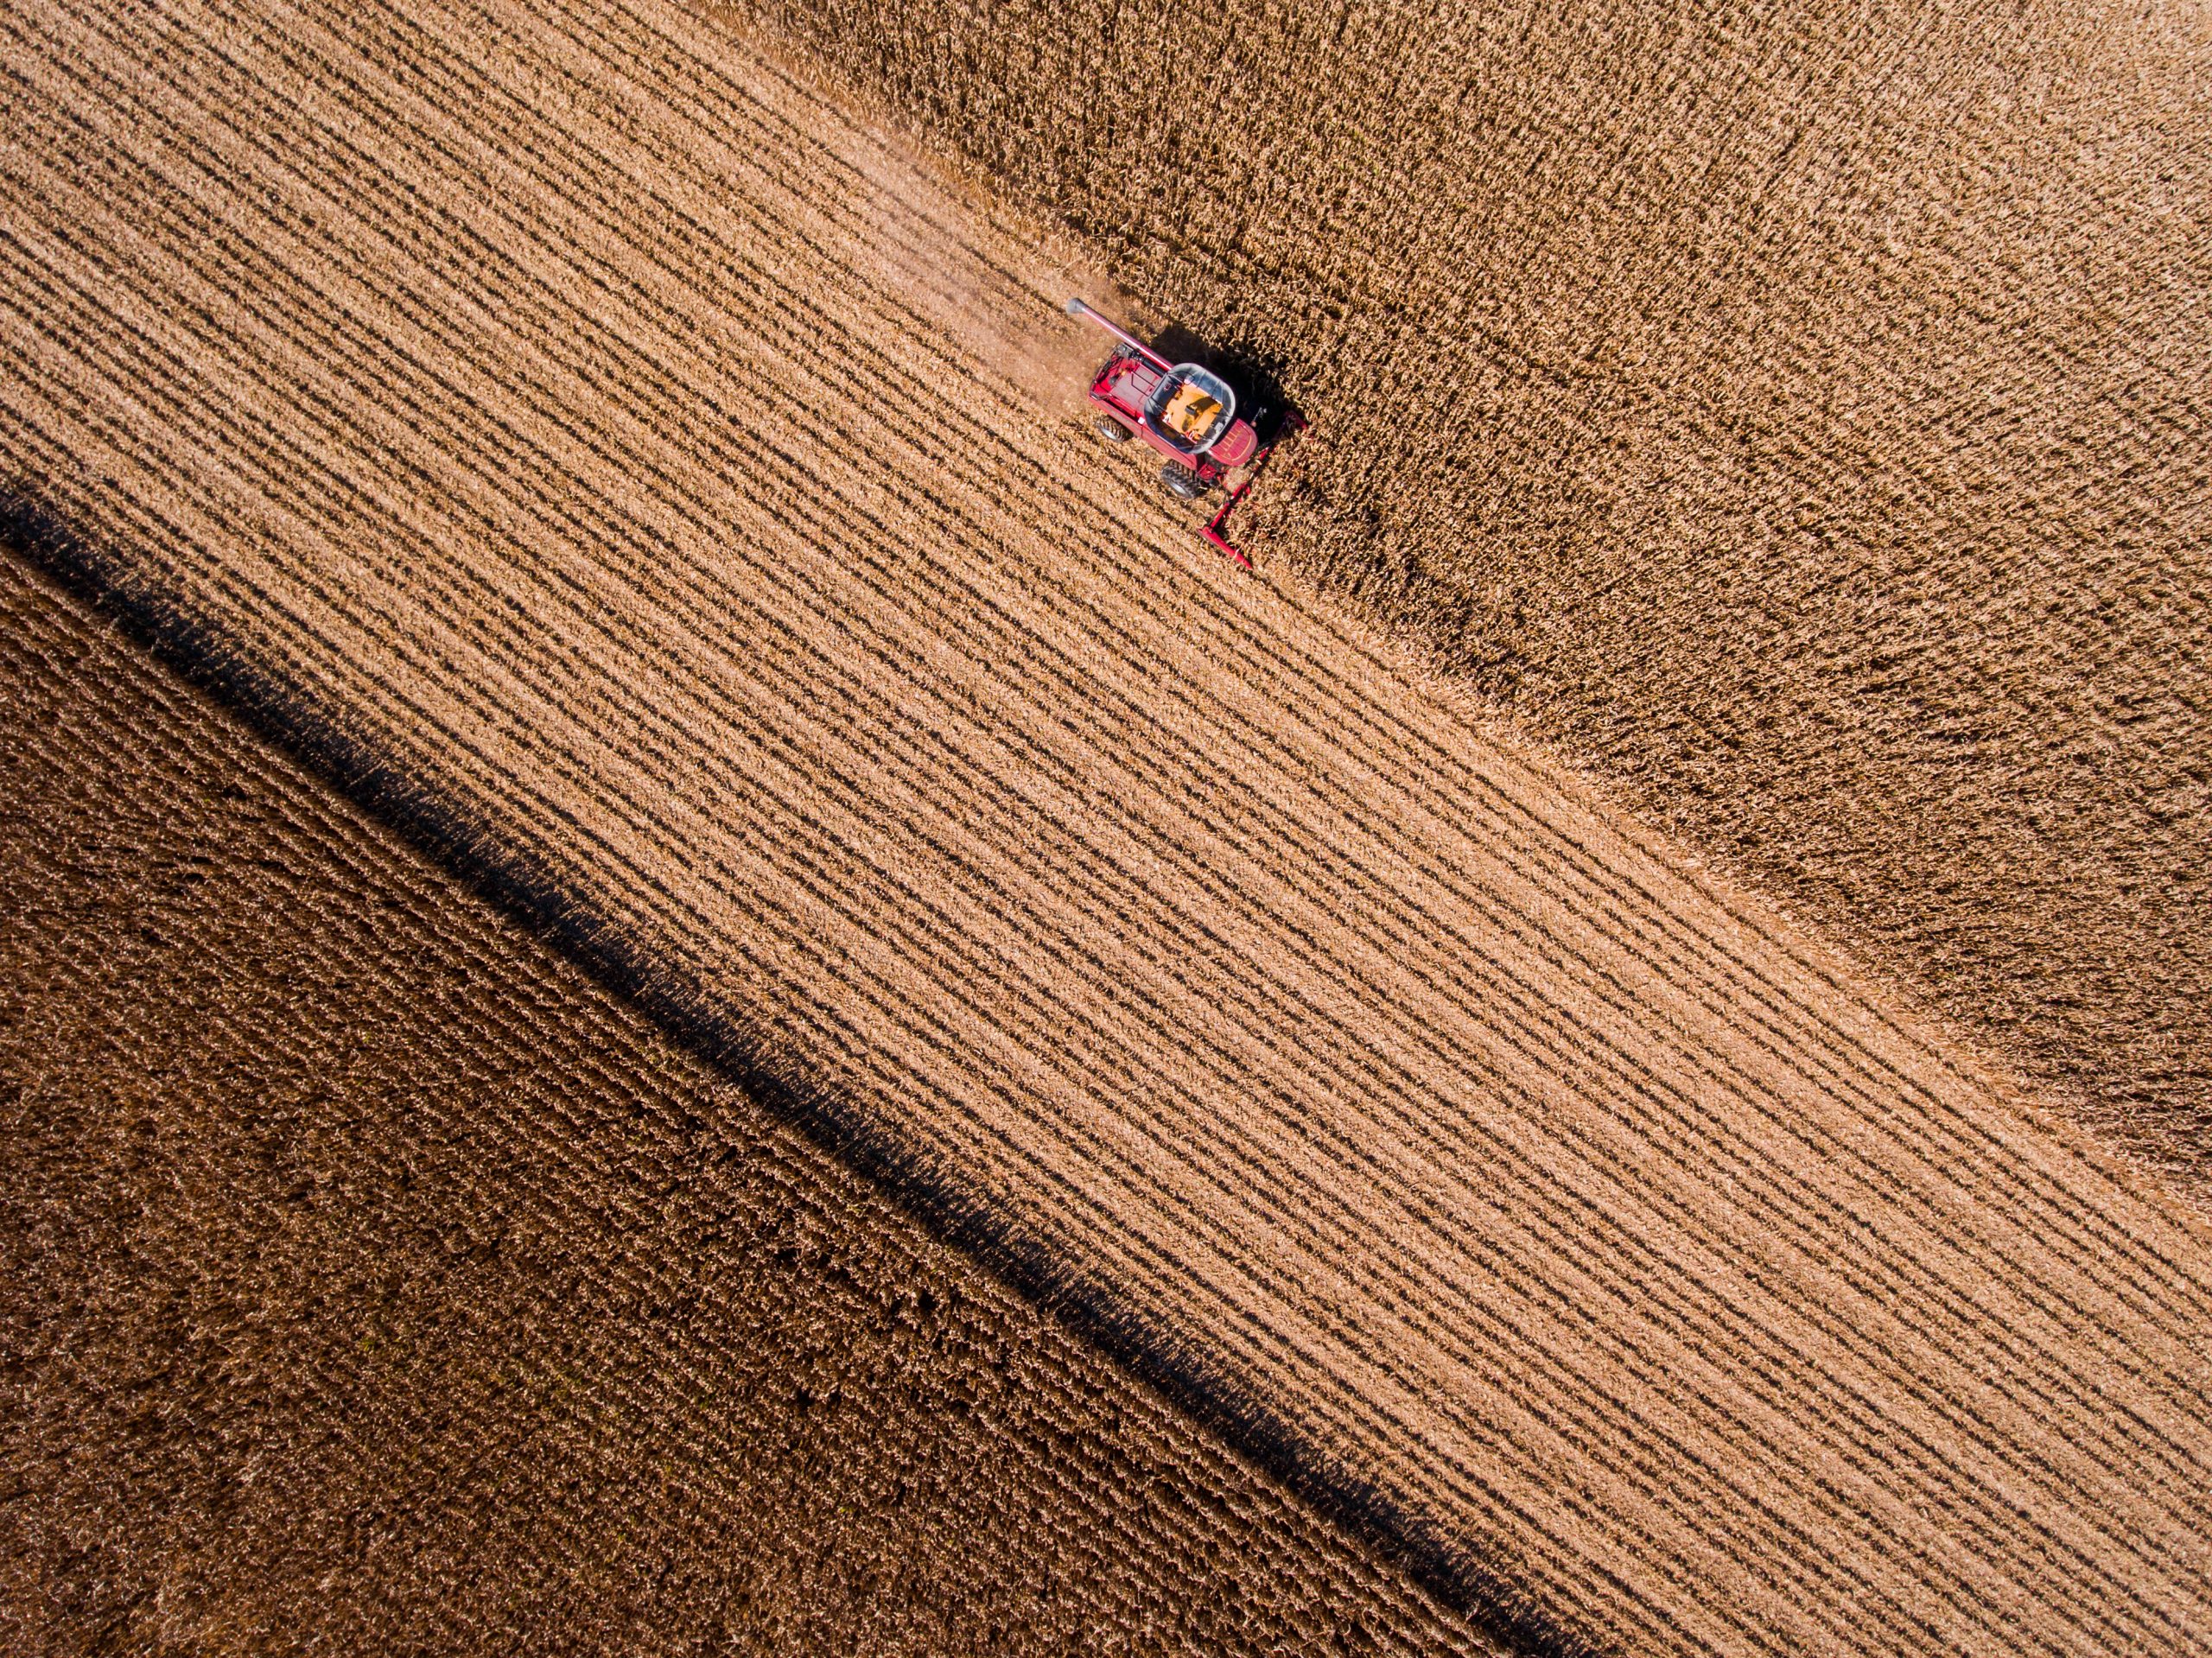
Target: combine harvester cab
x,y
1189,414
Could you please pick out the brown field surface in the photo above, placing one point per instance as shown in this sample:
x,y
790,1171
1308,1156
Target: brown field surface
x,y
1801,414
596,445
370,1280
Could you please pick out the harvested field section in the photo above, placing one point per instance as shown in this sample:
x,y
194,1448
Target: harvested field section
x,y
370,1279
1799,413
543,401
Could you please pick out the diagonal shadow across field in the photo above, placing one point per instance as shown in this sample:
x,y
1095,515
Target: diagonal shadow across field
x,y
608,457
1456,1577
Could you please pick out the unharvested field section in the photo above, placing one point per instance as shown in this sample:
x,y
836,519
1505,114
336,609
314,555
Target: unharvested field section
x,y
464,372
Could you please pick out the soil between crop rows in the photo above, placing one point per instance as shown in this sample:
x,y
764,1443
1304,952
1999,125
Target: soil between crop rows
x,y
611,440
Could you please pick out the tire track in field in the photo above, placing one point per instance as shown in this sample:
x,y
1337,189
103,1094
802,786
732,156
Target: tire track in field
x,y
1548,1190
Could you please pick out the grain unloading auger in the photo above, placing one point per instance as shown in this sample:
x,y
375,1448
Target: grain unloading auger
x,y
1188,413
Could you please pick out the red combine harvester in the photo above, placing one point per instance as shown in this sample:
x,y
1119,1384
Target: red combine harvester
x,y
1189,414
